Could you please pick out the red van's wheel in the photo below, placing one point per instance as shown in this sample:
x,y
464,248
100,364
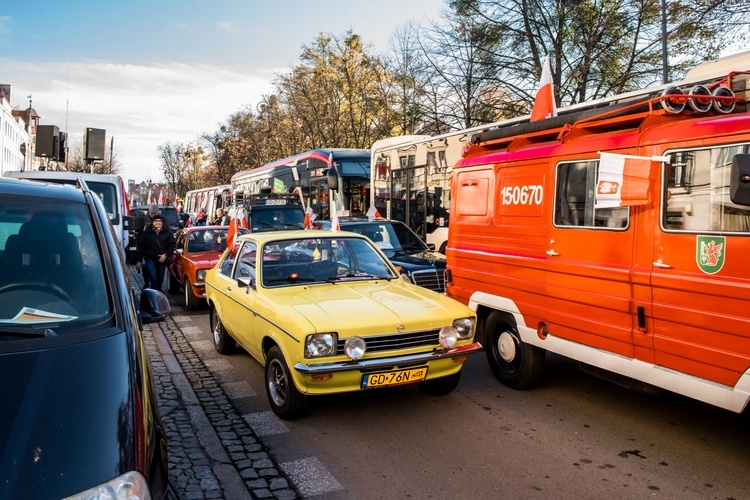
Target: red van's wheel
x,y
514,363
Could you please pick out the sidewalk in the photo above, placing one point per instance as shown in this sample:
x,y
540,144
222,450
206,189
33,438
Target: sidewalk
x,y
213,452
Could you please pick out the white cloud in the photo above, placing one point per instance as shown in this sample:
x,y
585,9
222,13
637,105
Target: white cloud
x,y
142,107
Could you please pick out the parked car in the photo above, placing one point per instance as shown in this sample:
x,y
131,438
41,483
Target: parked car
x,y
78,414
418,263
326,312
197,249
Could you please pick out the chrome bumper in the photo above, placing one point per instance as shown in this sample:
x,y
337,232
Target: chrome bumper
x,y
386,363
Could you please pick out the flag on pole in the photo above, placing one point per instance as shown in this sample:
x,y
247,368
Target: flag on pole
x,y
334,208
309,216
161,197
237,219
544,104
623,180
372,213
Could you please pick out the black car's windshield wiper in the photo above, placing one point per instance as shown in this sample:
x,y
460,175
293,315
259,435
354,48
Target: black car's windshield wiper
x,y
8,331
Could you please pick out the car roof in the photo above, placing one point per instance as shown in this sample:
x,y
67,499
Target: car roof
x,y
349,221
266,236
25,187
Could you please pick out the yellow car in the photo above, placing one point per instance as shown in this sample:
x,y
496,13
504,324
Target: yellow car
x,y
326,312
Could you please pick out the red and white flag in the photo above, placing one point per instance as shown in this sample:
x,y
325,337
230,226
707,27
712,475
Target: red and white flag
x,y
623,180
161,197
544,104
237,219
309,216
334,208
372,213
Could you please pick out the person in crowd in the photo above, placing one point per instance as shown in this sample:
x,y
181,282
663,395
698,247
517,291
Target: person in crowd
x,y
153,211
156,246
221,218
200,217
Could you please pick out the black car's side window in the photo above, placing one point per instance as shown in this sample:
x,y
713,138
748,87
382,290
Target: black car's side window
x,y
226,265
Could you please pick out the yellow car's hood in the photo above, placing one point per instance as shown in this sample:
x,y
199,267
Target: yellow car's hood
x,y
373,307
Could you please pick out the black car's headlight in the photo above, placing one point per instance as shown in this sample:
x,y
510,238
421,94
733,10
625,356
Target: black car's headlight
x,y
464,327
129,485
319,345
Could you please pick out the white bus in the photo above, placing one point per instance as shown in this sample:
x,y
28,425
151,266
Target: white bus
x,y
209,199
410,181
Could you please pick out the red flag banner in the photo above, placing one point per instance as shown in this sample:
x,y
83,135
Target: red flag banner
x,y
623,180
544,104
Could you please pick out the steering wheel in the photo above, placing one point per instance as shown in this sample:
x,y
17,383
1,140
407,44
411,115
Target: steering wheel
x,y
41,286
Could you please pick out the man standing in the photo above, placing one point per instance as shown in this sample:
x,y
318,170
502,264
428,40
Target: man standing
x,y
148,278
156,245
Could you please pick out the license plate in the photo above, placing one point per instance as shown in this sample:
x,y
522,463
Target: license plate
x,y
398,377
273,201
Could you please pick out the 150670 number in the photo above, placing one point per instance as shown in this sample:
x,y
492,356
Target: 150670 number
x,y
522,195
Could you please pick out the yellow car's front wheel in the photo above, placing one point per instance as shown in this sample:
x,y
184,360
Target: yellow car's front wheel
x,y
286,401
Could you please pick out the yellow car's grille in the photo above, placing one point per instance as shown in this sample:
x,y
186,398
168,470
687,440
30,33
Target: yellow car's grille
x,y
397,341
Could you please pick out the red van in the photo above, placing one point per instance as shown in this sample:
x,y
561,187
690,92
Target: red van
x,y
616,233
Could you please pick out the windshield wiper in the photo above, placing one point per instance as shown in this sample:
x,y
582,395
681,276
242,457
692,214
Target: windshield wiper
x,y
27,332
357,276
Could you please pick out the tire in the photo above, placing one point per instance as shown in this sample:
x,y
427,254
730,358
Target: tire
x,y
440,386
285,400
174,285
514,363
223,342
443,247
191,301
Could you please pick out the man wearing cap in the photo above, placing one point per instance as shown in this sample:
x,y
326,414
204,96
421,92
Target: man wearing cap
x,y
153,211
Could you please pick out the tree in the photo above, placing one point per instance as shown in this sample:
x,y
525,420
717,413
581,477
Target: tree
x,y
599,47
180,164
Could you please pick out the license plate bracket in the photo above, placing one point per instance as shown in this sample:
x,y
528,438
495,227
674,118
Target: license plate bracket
x,y
394,377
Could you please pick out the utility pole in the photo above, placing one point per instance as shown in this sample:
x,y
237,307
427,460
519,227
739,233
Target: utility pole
x,y
664,63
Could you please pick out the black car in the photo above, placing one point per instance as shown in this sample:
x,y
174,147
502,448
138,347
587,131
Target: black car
x,y
419,263
78,413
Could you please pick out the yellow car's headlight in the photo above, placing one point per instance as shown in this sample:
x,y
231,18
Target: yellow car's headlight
x,y
464,327
318,345
355,347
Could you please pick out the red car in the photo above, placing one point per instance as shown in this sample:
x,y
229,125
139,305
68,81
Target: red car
x,y
197,249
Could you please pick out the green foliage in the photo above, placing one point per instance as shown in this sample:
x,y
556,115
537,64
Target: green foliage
x,y
479,63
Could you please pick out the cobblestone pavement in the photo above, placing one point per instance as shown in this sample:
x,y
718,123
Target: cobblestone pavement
x,y
213,451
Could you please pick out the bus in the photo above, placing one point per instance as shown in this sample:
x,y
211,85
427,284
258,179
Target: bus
x,y
315,172
410,181
209,199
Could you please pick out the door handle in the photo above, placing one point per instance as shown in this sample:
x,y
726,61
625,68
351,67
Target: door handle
x,y
662,265
229,288
552,253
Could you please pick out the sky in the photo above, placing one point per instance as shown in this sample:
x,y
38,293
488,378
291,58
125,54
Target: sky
x,y
156,71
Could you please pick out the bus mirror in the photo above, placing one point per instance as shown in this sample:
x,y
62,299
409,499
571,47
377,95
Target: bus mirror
x,y
333,179
739,180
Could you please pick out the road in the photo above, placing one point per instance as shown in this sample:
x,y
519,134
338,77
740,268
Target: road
x,y
576,436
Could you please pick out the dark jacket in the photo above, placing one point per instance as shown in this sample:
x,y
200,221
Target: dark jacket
x,y
151,244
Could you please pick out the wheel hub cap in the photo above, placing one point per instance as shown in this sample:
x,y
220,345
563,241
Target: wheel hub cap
x,y
506,346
